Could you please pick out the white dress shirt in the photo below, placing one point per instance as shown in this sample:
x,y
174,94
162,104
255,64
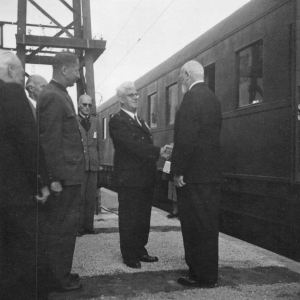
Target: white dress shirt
x,y
131,114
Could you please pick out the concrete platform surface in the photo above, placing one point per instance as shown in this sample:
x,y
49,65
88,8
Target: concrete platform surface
x,y
245,271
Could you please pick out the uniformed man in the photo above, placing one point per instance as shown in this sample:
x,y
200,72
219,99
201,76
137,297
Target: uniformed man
x,y
134,176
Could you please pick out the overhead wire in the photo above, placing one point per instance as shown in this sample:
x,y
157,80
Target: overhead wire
x,y
135,44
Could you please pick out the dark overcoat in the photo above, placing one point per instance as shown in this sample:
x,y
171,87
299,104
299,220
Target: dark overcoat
x,y
135,155
60,135
196,153
22,161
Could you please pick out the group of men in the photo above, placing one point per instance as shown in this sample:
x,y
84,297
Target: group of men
x,y
49,162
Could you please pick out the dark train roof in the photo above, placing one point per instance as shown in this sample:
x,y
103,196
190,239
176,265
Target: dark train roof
x,y
107,104
244,16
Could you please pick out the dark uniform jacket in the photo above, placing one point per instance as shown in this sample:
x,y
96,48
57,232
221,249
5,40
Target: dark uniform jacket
x,y
91,144
135,155
196,153
60,135
20,155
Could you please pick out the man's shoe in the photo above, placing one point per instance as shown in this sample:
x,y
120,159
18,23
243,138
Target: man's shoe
x,y
133,264
74,276
148,258
188,281
172,215
89,231
79,234
72,286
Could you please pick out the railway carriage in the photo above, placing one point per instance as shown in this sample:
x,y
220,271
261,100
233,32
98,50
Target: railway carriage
x,y
251,61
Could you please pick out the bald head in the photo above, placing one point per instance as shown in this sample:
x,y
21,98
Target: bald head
x,y
191,72
11,69
85,103
34,85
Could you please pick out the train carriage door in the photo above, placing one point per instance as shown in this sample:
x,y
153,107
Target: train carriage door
x,y
209,76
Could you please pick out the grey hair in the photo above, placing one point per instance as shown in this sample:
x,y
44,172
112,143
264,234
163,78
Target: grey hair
x,y
194,68
7,58
121,90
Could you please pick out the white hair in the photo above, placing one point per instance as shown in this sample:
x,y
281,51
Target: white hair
x,y
121,90
7,58
194,68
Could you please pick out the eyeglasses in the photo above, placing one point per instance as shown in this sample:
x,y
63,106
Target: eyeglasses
x,y
85,104
133,95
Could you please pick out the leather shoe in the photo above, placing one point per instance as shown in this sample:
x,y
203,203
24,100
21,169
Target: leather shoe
x,y
74,276
89,231
133,264
72,286
188,281
148,258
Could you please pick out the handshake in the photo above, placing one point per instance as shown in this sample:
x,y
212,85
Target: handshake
x,y
166,151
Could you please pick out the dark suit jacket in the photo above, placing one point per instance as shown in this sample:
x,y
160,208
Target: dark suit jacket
x,y
92,144
20,156
135,155
60,135
196,153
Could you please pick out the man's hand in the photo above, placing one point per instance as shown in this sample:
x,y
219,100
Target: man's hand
x,y
45,194
166,152
178,181
56,187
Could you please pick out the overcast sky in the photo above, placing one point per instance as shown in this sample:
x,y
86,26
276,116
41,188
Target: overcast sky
x,y
140,34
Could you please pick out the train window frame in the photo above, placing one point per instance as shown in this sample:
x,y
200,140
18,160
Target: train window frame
x,y
168,118
151,112
241,103
104,128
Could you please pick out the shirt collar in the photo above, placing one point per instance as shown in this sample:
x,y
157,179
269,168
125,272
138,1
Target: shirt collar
x,y
198,81
59,85
33,102
131,114
83,116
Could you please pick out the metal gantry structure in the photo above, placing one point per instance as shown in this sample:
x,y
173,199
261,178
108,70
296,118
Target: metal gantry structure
x,y
33,49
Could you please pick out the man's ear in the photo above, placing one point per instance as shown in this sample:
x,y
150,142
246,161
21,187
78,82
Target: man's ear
x,y
63,70
121,100
10,71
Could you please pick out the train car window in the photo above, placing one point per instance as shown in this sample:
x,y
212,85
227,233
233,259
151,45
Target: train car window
x,y
210,76
104,128
171,103
153,110
250,74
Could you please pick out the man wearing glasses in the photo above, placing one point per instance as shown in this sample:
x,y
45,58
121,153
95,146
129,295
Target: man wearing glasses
x,y
134,176
89,127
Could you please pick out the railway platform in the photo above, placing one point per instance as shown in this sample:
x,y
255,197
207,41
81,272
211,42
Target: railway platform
x,y
245,271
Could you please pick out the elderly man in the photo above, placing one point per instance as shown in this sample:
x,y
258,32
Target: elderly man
x,y
196,164
60,138
34,86
134,176
22,176
90,132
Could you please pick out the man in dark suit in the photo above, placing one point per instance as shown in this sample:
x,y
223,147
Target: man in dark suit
x,y
60,138
34,87
89,127
134,176
22,176
195,164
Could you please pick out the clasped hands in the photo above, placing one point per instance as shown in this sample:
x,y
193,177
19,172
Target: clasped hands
x,y
55,188
166,151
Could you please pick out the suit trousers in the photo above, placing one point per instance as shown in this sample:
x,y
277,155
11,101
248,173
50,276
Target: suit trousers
x,y
87,201
61,231
22,256
198,206
135,204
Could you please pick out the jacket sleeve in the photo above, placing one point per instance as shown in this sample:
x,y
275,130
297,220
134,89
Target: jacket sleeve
x,y
50,117
25,131
186,131
123,137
